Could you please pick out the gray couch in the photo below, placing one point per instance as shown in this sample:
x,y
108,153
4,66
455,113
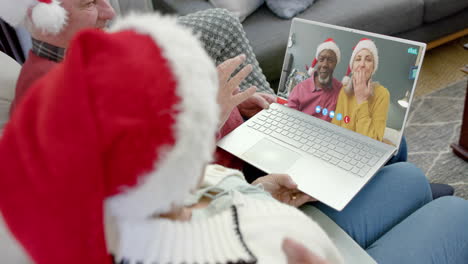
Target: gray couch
x,y
421,20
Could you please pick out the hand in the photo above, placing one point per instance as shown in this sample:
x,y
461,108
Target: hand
x,y
255,104
229,95
283,189
298,254
361,87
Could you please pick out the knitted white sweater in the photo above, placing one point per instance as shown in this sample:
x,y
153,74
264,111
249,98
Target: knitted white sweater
x,y
250,230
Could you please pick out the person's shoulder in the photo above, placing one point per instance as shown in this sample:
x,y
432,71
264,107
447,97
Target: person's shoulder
x,y
380,90
306,83
303,86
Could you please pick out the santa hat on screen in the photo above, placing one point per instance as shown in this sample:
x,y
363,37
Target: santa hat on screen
x,y
328,44
364,43
46,15
125,123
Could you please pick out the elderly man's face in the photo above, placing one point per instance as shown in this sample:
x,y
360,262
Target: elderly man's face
x,y
326,63
84,14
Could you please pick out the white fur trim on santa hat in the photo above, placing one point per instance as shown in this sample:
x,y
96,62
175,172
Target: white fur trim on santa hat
x,y
369,45
50,18
178,171
345,80
330,45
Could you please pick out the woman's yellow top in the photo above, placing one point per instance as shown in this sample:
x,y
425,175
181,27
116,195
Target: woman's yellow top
x,y
368,118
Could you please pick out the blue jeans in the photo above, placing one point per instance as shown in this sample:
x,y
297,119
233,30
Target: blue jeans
x,y
384,218
436,233
402,154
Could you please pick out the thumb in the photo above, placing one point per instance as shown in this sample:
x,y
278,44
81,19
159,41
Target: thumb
x,y
286,181
268,97
260,101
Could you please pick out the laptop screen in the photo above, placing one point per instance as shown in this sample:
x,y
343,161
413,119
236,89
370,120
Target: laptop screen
x,y
354,79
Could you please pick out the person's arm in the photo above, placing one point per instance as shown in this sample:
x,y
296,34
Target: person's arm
x,y
372,122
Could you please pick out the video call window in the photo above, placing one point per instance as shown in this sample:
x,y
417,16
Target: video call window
x,y
356,81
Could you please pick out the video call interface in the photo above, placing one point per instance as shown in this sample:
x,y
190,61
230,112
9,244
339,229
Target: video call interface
x,y
357,81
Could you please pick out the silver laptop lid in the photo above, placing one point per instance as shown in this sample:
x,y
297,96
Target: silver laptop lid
x,y
392,64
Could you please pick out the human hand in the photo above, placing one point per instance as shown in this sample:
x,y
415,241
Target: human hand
x,y
255,104
283,189
361,86
298,254
229,95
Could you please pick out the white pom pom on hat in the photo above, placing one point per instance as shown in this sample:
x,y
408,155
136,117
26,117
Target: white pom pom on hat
x,y
46,15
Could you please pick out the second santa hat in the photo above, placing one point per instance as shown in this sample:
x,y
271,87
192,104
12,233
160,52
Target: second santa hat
x,y
364,43
328,44
46,15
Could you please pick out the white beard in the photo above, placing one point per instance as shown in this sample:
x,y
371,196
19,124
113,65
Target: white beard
x,y
324,81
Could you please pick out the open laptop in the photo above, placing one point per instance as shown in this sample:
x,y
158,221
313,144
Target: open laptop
x,y
328,161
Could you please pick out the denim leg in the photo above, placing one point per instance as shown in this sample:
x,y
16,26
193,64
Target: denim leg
x,y
437,233
402,154
392,195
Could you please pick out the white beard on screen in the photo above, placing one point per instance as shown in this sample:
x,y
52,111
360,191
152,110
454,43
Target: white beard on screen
x,y
324,81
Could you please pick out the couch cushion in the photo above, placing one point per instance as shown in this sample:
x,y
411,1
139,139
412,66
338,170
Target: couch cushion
x,y
288,9
8,76
240,8
437,9
438,29
268,34
181,7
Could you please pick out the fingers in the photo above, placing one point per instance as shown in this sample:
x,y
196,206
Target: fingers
x,y
302,198
226,68
242,96
240,76
260,101
268,97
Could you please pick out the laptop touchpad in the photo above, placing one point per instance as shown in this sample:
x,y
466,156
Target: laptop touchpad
x,y
270,157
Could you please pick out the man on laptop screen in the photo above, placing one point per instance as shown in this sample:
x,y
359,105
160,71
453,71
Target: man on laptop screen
x,y
321,89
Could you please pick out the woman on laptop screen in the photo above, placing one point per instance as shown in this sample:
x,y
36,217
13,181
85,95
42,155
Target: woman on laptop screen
x,y
362,102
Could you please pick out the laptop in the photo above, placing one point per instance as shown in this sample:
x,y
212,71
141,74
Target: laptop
x,y
331,152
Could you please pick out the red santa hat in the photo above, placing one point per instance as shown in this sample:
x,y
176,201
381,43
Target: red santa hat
x,y
46,15
127,122
328,44
364,43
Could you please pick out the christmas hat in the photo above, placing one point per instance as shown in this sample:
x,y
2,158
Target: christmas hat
x,y
364,43
125,123
328,44
46,15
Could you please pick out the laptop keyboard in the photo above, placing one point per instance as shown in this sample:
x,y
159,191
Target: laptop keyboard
x,y
330,146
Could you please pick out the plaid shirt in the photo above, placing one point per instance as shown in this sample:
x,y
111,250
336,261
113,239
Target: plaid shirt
x,y
47,51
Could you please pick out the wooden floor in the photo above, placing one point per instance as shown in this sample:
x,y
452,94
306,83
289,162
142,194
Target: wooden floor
x,y
441,66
